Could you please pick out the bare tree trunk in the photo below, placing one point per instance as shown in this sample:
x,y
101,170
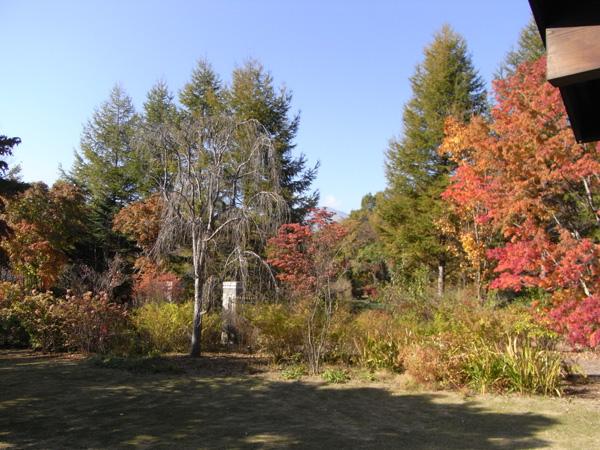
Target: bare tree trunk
x,y
478,285
441,278
197,324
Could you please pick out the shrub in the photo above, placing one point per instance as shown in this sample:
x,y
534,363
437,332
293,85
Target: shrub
x,y
423,361
41,321
167,327
75,323
294,372
91,323
280,329
377,340
336,376
12,331
164,327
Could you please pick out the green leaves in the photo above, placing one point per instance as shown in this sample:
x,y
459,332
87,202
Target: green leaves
x,y
445,84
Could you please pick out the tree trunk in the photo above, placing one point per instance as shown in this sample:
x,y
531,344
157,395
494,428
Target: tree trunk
x,y
197,324
441,278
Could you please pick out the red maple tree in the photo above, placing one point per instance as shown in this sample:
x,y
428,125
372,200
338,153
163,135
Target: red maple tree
x,y
522,176
306,256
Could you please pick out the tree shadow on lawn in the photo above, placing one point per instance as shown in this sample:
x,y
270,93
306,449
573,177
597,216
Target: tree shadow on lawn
x,y
59,403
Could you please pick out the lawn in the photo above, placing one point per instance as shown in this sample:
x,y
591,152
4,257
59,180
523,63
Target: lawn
x,y
230,402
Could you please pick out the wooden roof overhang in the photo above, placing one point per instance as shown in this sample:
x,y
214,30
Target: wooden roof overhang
x,y
571,33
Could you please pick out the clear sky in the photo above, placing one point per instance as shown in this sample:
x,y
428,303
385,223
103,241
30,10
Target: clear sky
x,y
347,63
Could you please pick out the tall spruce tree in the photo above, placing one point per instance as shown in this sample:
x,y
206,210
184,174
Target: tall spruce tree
x,y
444,84
108,168
159,110
529,48
253,96
204,95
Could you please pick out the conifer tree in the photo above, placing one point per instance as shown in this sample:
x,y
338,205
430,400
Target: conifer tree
x,y
159,110
159,107
204,95
529,48
445,84
107,166
253,96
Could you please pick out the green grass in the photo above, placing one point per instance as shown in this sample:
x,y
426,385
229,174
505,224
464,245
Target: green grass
x,y
49,402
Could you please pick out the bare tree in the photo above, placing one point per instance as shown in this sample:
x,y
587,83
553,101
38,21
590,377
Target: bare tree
x,y
221,191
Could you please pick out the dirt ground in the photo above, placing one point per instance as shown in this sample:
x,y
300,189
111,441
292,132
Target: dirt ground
x,y
587,383
236,401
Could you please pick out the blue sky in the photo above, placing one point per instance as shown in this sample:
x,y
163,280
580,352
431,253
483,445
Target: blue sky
x,y
347,63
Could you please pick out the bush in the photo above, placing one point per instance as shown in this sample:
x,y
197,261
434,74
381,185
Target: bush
x,y
279,329
424,362
41,321
294,372
12,331
92,324
75,323
336,376
377,340
167,327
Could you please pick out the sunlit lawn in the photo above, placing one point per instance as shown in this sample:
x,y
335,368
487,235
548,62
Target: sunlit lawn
x,y
49,402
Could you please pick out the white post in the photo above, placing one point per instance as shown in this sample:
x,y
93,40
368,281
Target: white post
x,y
231,291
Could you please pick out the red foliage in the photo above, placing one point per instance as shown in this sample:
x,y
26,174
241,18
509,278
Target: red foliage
x,y
153,283
306,255
577,319
523,174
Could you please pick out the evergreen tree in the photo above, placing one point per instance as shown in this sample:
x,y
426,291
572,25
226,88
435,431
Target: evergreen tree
x,y
108,168
159,110
204,95
529,48
159,107
254,96
6,146
444,84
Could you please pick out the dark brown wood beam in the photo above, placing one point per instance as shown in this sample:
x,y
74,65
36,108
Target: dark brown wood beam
x,y
573,54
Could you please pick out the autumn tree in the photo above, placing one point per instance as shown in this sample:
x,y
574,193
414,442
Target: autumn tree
x,y
523,175
49,229
444,85
206,206
140,221
307,257
308,261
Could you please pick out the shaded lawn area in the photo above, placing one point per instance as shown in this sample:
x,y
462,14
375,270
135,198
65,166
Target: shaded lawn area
x,y
53,402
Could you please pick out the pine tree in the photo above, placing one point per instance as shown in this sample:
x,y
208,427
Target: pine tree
x,y
108,167
444,84
254,96
529,48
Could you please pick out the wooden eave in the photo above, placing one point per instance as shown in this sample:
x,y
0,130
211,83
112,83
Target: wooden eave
x,y
571,33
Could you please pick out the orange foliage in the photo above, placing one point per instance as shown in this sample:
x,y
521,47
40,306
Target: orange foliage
x,y
523,176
